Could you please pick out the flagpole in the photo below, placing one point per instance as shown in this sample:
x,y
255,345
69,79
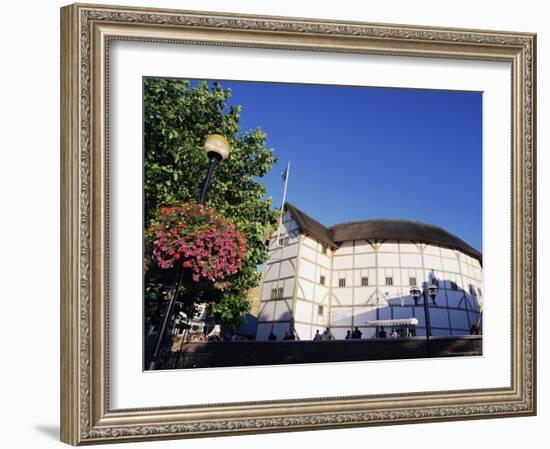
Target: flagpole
x,y
286,172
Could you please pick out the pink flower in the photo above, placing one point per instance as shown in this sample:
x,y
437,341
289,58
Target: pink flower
x,y
211,246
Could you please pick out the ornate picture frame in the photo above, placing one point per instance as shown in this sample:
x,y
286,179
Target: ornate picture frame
x,y
86,34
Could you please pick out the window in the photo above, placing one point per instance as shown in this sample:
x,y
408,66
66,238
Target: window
x,y
320,310
342,282
283,241
389,281
364,281
280,292
479,292
454,286
324,249
412,282
472,289
322,280
273,293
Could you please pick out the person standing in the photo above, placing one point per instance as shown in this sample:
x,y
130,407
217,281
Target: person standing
x,y
327,335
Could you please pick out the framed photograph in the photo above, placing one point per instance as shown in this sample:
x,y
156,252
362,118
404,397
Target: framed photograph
x,y
279,224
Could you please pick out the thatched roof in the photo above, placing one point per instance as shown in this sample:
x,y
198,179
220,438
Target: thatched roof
x,y
311,226
379,229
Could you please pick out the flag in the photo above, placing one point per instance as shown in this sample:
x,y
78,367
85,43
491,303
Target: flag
x,y
284,174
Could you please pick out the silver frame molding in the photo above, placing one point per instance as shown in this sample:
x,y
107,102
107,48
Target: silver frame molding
x,y
86,31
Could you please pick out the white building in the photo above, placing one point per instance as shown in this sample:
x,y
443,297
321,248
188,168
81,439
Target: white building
x,y
345,275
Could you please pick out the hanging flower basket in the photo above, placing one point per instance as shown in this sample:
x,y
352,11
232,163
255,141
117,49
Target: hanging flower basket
x,y
198,239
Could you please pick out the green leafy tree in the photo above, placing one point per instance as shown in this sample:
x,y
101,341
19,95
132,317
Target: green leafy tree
x,y
177,119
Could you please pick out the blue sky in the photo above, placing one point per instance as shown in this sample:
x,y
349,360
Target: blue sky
x,y
358,153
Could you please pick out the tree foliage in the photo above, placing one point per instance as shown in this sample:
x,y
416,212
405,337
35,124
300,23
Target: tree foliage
x,y
177,119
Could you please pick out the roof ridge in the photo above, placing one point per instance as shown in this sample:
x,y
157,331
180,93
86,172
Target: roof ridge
x,y
401,220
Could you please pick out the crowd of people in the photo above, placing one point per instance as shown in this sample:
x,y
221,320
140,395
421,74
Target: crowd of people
x,y
396,332
289,335
326,335
354,334
199,336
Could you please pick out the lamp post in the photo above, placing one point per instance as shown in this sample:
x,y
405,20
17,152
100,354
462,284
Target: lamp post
x,y
217,149
430,291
